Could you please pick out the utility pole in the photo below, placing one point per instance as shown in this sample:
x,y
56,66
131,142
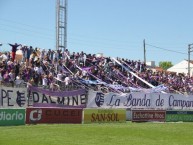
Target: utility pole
x,y
144,51
189,51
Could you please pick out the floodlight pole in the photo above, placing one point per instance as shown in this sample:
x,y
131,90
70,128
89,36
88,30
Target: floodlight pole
x,y
61,24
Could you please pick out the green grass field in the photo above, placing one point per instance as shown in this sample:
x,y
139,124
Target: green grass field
x,y
99,134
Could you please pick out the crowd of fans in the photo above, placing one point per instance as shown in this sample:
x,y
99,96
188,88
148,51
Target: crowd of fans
x,y
62,70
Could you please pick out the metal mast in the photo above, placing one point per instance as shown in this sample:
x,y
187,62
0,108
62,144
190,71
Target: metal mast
x,y
61,24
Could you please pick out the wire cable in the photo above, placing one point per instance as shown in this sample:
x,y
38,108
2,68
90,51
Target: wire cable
x,y
166,49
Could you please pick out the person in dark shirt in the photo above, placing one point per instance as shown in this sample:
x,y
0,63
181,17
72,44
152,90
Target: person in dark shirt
x,y
17,69
1,44
14,49
29,52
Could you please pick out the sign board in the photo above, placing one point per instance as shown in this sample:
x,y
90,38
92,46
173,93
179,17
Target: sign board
x,y
53,115
13,97
104,115
22,98
39,97
148,115
139,100
12,117
175,116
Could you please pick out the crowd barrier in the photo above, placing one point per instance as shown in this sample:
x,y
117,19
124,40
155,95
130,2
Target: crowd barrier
x,y
19,106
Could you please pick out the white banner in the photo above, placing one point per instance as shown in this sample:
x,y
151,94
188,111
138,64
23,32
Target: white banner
x,y
40,99
18,98
13,97
139,100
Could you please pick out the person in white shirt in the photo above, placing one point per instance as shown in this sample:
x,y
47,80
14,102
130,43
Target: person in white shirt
x,y
67,81
45,81
12,77
59,77
42,54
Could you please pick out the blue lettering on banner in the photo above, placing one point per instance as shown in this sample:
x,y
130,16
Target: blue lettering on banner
x,y
12,98
114,101
9,98
139,100
6,95
171,97
82,99
99,99
35,97
144,102
51,101
70,100
3,96
159,101
20,99
179,103
44,99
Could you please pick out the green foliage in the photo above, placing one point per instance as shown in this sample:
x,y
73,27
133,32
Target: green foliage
x,y
99,134
165,64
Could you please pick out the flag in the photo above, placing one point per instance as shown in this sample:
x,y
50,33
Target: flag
x,y
158,89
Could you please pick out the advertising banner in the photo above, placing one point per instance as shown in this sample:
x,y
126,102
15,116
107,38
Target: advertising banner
x,y
13,97
104,115
53,115
148,115
39,97
139,100
12,117
175,116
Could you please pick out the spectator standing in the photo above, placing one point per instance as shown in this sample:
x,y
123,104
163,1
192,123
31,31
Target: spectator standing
x,y
45,81
0,45
42,54
29,52
67,81
59,77
17,69
12,77
24,53
14,49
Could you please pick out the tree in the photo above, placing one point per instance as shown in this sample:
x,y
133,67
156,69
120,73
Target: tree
x,y
165,64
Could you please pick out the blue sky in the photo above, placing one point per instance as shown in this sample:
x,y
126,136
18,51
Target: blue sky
x,y
112,27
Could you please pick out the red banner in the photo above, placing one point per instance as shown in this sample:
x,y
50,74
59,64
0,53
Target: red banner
x,y
148,115
53,115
